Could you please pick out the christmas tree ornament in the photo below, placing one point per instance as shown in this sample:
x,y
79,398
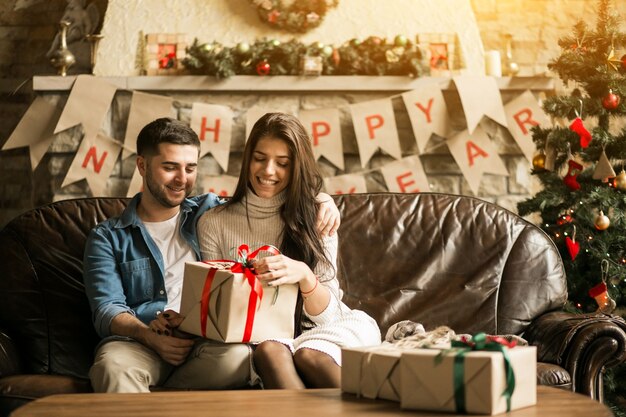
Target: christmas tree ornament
x,y
611,101
600,292
400,40
603,170
570,178
207,47
620,181
601,222
539,162
578,127
611,61
243,47
622,65
263,68
327,51
564,219
573,247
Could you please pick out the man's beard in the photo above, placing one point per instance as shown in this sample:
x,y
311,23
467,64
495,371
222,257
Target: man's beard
x,y
159,193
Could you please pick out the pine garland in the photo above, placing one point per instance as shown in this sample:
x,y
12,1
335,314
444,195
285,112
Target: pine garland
x,y
374,56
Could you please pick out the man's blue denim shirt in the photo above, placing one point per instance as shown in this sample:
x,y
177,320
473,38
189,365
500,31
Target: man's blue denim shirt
x,y
123,268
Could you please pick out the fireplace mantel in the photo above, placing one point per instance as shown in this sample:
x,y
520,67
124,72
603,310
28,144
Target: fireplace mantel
x,y
249,83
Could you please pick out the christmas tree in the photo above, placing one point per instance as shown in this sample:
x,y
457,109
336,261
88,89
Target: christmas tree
x,y
583,201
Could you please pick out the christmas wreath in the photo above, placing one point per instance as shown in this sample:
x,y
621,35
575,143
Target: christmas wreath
x,y
298,16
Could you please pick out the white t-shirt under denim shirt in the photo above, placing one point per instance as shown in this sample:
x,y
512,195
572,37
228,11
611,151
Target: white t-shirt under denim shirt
x,y
175,252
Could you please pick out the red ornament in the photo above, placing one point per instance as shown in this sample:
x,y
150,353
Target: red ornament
x,y
263,68
578,127
565,218
573,247
622,64
610,101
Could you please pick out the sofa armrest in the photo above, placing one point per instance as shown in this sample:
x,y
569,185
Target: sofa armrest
x,y
9,358
583,344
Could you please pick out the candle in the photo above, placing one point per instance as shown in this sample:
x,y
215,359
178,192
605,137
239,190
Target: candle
x,y
493,66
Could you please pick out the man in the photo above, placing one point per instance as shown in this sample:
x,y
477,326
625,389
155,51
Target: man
x,y
133,269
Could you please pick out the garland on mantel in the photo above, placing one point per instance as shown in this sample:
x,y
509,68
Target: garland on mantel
x,y
300,16
373,56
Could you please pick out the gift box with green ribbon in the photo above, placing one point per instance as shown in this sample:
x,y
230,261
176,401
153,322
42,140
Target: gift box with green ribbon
x,y
478,376
223,300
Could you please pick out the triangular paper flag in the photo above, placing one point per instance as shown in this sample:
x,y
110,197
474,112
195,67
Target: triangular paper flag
x,y
87,104
345,184
522,113
253,114
136,184
428,113
35,130
375,127
405,176
213,124
324,129
223,186
144,108
94,160
475,155
480,96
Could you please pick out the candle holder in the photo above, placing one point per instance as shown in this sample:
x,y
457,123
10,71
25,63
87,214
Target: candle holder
x,y
511,67
94,41
62,58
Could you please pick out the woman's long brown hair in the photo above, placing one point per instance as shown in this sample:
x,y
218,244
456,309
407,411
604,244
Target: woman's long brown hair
x,y
301,240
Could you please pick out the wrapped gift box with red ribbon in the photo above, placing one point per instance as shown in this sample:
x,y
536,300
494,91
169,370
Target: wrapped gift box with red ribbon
x,y
469,381
224,301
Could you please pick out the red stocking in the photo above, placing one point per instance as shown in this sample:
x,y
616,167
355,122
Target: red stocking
x,y
572,173
578,127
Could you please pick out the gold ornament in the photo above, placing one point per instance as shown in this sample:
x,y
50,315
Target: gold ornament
x,y
602,222
539,162
620,181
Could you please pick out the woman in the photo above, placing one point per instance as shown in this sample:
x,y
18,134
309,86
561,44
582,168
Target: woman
x,y
274,203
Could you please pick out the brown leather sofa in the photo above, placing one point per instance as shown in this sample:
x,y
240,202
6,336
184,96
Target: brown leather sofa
x,y
435,259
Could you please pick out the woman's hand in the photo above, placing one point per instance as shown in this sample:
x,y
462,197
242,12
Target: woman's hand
x,y
328,218
281,269
166,322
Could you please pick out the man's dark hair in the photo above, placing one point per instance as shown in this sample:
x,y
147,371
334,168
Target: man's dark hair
x,y
165,130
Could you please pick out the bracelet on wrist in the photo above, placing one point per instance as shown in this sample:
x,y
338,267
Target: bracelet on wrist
x,y
307,294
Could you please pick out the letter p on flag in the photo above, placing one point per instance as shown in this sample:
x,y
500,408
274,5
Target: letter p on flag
x,y
318,130
373,122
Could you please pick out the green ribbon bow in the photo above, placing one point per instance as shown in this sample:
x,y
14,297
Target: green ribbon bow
x,y
479,341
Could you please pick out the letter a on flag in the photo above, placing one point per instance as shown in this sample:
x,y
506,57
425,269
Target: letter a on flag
x,y
94,160
375,127
475,155
325,132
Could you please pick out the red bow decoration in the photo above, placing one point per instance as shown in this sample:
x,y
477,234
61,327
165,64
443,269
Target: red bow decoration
x,y
578,127
242,265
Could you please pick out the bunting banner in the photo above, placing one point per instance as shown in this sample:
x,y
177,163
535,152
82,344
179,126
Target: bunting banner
x,y
213,124
522,113
475,154
480,96
88,104
428,113
405,176
253,114
345,184
136,184
94,161
35,130
375,127
223,186
144,108
324,128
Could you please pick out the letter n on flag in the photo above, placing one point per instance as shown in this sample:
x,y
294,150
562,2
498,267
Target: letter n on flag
x,y
375,127
475,154
522,113
428,113
324,129
223,185
213,124
345,184
94,161
406,176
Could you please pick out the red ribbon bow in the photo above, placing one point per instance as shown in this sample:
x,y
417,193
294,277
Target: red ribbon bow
x,y
242,265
